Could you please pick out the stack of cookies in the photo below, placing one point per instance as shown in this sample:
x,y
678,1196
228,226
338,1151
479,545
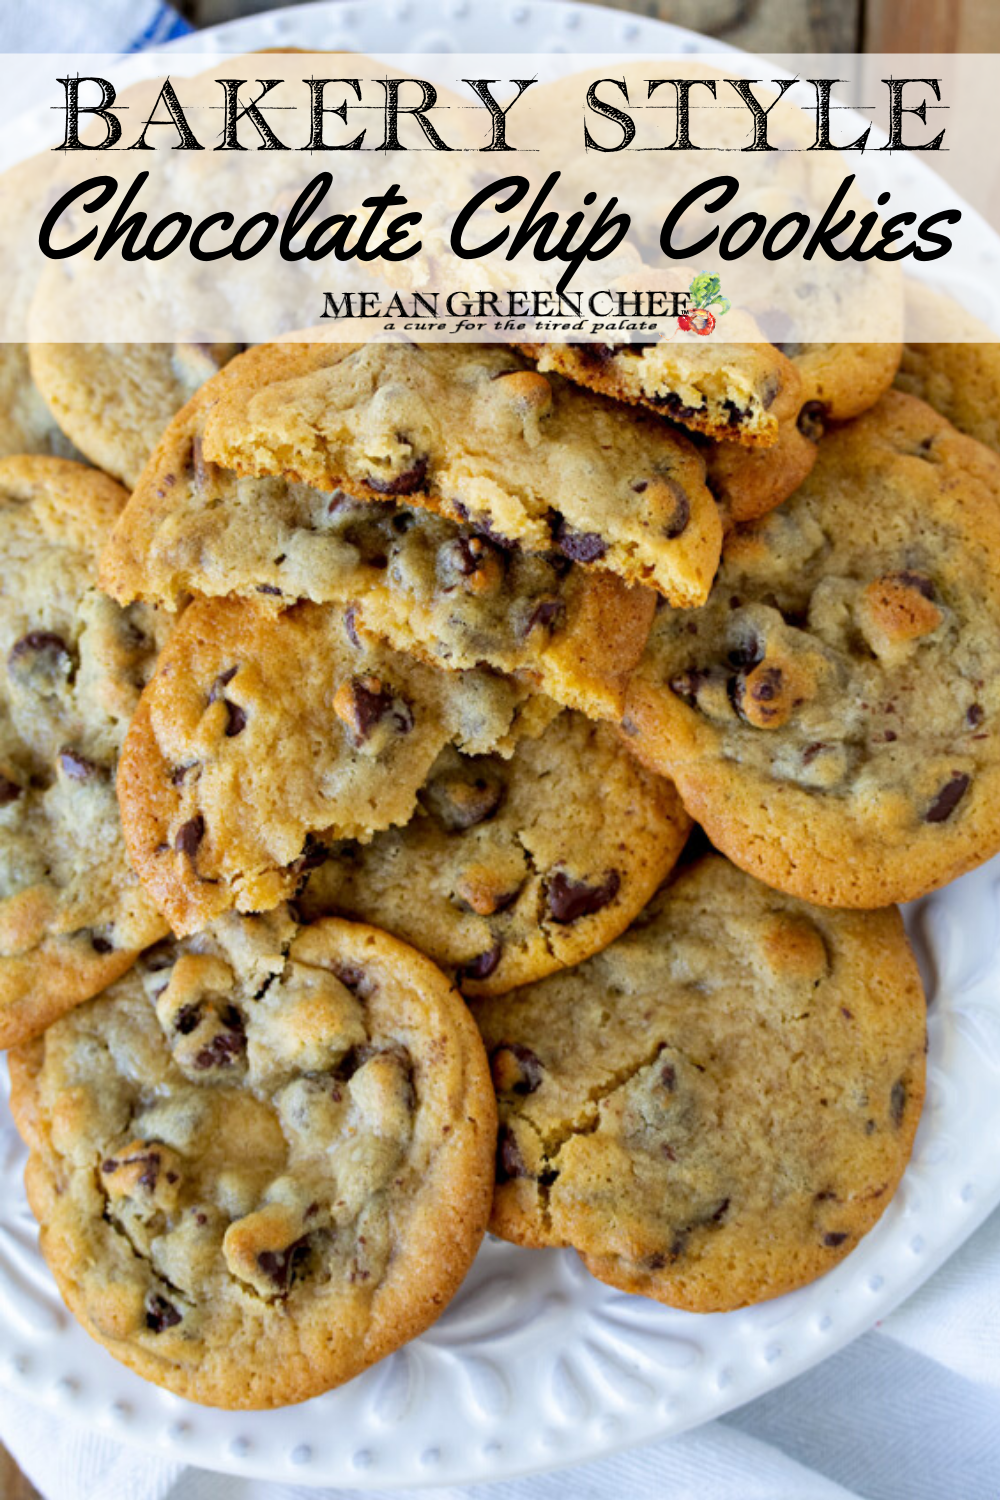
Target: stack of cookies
x,y
351,899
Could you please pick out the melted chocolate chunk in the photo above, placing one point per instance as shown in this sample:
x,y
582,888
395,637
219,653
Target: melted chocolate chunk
x,y
370,702
947,799
41,660
226,1047
571,899
461,802
578,546
918,581
161,1314
812,420
673,405
76,766
483,966
897,1102
407,483
548,614
512,1060
510,1162
279,1266
190,835
687,684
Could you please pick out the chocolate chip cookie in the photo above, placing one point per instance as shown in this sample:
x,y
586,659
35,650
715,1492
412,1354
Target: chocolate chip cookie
x,y
261,1161
114,400
446,592
726,391
72,664
26,424
474,433
832,715
510,869
719,1106
261,736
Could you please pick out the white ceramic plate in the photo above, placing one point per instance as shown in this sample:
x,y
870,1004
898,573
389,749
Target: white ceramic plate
x,y
535,1364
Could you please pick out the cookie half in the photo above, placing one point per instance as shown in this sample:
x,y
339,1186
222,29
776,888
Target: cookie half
x,y
261,735
474,433
510,869
72,663
716,1108
725,391
423,583
832,715
263,1161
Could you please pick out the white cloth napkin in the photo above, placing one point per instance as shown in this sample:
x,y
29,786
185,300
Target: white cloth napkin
x,y
911,1411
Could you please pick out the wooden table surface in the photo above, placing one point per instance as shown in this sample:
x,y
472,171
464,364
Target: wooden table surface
x,y
759,26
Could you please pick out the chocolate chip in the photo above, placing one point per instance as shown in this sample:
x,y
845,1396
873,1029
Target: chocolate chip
x,y
668,1077
407,483
594,354
510,1162
178,773
578,546
314,853
279,1265
42,660
151,1169
190,835
350,626
834,1238
515,1068
812,420
686,685
109,1165
198,466
226,1046
674,406
682,514
766,687
268,588
9,791
548,614
748,652
460,802
351,977
484,965
187,1018
810,752
918,581
973,717
236,720
363,702
101,944
720,1213
571,899
947,799
161,1314
76,766
737,414
897,1102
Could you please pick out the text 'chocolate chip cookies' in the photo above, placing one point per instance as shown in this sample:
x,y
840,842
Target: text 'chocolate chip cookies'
x,y
262,1162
